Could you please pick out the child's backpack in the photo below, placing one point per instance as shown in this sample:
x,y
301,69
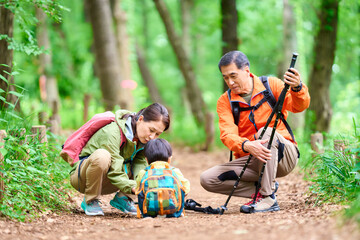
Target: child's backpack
x,y
160,193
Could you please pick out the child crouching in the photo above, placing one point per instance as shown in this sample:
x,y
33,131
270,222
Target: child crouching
x,y
160,188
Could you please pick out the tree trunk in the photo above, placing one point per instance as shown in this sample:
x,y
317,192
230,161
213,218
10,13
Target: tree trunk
x,y
122,40
107,62
229,22
296,120
145,24
45,68
186,19
320,76
6,57
198,106
147,76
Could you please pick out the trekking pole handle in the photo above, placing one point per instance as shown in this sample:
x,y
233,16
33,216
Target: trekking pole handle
x,y
293,59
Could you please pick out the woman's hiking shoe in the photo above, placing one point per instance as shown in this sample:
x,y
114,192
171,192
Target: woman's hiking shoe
x,y
92,208
124,203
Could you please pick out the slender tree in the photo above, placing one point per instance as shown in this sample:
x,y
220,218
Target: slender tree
x,y
147,76
6,58
229,23
186,19
296,120
320,75
107,62
198,106
123,46
45,67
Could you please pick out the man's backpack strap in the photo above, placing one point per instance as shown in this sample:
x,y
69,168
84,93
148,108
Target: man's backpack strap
x,y
235,109
269,96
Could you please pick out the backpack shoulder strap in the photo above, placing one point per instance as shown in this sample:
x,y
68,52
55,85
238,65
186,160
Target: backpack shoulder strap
x,y
269,96
235,108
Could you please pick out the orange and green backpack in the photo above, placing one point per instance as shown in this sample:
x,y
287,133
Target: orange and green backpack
x,y
160,193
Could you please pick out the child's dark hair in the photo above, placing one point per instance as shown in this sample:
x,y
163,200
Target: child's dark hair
x,y
157,150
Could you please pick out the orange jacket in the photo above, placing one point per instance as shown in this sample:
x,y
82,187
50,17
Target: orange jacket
x,y
233,136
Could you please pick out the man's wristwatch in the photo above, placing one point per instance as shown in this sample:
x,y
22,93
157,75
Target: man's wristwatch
x,y
298,88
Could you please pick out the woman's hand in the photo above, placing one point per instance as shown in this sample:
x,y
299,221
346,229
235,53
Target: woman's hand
x,y
257,150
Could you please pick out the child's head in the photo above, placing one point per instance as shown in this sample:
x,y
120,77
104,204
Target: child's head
x,y
157,150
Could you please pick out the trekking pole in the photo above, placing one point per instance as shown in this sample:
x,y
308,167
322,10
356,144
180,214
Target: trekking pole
x,y
275,110
278,107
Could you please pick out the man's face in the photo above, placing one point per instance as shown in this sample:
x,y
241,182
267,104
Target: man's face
x,y
238,80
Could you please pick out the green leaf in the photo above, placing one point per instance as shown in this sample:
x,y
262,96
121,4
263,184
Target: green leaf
x,y
13,114
14,73
4,79
32,169
3,151
16,94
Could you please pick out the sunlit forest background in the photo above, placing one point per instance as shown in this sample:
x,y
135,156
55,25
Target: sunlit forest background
x,y
67,60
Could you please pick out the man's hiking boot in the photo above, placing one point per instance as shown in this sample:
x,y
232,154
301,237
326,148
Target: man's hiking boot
x,y
92,208
262,204
124,203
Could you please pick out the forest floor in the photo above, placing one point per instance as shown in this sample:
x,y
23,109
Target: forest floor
x,y
296,220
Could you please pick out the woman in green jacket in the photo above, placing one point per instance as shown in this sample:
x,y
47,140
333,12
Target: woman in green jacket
x,y
110,164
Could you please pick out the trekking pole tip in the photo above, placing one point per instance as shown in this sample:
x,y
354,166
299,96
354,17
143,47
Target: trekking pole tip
x,y
222,209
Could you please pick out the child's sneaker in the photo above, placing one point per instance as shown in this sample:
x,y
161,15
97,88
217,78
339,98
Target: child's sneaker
x,y
123,203
92,208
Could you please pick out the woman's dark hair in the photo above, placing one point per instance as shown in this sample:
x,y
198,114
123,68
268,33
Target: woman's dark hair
x,y
236,57
153,112
157,150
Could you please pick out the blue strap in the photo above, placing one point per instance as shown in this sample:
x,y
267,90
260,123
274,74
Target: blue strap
x,y
131,160
81,161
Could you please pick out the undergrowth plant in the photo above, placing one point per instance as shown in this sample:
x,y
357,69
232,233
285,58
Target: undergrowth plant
x,y
336,175
31,170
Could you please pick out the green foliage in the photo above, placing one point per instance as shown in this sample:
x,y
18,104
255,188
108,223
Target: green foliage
x,y
354,210
33,177
4,93
23,10
336,174
32,173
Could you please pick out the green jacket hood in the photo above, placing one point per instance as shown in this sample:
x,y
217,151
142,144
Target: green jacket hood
x,y
125,124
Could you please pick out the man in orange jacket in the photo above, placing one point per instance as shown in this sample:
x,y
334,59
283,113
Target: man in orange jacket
x,y
249,92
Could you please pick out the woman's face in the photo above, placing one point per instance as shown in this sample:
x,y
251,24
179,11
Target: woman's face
x,y
146,131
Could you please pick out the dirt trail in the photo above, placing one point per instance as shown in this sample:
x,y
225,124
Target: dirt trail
x,y
296,220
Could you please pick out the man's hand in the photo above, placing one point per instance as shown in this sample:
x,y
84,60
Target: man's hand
x,y
257,150
292,78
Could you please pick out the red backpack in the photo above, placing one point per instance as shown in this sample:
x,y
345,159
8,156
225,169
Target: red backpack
x,y
77,141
